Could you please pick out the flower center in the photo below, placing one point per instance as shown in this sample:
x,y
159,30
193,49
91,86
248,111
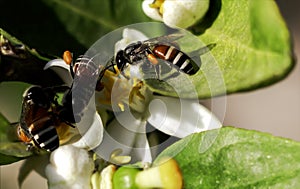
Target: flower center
x,y
121,91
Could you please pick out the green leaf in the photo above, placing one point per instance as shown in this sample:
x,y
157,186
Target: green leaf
x,y
4,159
93,19
237,158
10,151
253,49
4,125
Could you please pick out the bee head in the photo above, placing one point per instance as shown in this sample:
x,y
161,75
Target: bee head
x,y
37,95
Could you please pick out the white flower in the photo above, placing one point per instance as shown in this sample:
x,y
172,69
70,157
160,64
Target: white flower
x,y
136,108
90,126
176,13
70,167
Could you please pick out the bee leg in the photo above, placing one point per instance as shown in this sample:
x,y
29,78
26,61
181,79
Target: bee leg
x,y
29,146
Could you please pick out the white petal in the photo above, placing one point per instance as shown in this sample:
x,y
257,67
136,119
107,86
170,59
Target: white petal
x,y
180,117
178,13
128,134
129,36
70,167
141,151
107,177
151,12
93,136
62,69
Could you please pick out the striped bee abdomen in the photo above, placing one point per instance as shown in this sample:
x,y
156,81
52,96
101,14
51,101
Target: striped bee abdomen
x,y
44,134
176,58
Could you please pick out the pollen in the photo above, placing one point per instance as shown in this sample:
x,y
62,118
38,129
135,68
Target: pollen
x,y
68,57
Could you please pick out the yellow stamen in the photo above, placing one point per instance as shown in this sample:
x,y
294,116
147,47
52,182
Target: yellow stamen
x,y
158,4
121,106
117,159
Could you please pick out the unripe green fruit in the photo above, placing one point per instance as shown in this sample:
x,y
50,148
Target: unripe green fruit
x,y
124,178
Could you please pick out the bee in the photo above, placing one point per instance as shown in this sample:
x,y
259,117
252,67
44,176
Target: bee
x,y
155,49
40,121
85,73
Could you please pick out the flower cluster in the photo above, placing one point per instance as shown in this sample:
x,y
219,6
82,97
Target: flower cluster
x,y
123,139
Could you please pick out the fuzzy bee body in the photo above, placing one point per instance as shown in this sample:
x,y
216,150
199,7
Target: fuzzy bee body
x,y
37,125
156,51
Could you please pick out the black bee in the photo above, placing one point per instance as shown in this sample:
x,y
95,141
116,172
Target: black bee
x,y
40,118
155,49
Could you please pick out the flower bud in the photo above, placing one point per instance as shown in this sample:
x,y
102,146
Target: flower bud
x,y
176,13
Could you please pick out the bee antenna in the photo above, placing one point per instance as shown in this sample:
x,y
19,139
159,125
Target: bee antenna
x,y
103,71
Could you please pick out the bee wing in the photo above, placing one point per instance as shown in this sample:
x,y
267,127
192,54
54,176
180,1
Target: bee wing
x,y
84,84
196,54
202,50
166,38
84,66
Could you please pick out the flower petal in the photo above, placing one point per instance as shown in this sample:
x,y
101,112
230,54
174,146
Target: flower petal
x,y
178,13
70,167
141,150
128,134
151,12
93,136
107,177
62,69
180,117
129,36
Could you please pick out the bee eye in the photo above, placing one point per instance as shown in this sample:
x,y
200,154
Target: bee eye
x,y
120,60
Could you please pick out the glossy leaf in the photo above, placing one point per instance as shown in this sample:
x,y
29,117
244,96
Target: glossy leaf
x,y
253,49
10,151
237,158
93,19
4,124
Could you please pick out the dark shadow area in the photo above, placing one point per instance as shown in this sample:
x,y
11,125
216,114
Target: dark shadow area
x,y
208,19
37,26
